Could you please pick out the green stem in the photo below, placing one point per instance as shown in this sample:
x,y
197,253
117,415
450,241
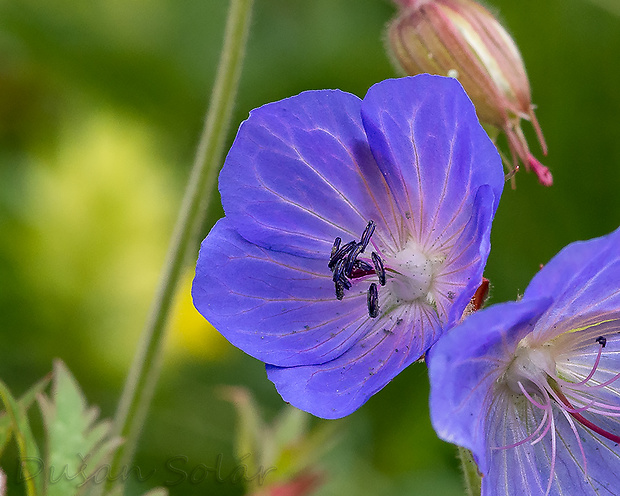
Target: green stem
x,y
470,472
144,373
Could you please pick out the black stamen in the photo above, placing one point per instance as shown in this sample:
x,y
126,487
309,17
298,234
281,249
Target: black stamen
x,y
379,269
345,282
602,341
339,277
345,266
341,253
338,270
373,301
367,234
352,258
335,248
339,291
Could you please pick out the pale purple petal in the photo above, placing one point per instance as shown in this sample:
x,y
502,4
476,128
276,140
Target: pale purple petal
x,y
584,280
464,366
558,274
277,307
519,470
580,350
461,273
300,173
426,138
339,387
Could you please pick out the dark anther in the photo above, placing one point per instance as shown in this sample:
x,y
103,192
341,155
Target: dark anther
x,y
359,248
339,270
339,291
345,266
373,301
367,234
340,253
335,248
352,258
602,341
378,263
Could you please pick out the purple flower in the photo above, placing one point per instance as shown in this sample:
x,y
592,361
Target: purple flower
x,y
532,387
355,231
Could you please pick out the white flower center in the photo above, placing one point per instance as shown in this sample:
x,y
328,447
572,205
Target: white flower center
x,y
530,367
412,274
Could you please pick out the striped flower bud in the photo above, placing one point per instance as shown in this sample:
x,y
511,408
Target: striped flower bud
x,y
461,39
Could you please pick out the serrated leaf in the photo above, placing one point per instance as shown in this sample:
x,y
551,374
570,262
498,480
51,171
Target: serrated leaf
x,y
77,446
25,402
28,451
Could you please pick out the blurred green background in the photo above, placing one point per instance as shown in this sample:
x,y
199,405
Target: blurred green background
x,y
101,106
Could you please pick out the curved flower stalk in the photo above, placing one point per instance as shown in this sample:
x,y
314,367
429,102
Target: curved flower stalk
x,y
355,231
532,387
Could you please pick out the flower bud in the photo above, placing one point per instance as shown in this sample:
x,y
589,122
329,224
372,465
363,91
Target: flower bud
x,y
461,39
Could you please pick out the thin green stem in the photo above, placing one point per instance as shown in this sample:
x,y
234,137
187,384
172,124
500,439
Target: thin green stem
x,y
144,372
471,475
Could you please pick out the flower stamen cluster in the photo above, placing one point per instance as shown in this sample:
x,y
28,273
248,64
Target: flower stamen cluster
x,y
533,374
345,265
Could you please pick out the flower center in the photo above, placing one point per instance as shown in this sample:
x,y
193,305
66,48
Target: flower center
x,y
408,274
530,367
411,273
532,373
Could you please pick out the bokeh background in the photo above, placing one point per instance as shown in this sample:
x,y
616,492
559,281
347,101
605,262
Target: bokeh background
x,y
101,106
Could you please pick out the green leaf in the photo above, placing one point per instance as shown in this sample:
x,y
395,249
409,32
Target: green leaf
x,y
25,402
118,491
31,466
77,446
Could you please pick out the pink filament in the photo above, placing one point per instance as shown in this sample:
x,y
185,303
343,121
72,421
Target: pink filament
x,y
591,374
554,390
582,387
584,421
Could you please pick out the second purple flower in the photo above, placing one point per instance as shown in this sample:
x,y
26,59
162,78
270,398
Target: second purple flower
x,y
356,232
